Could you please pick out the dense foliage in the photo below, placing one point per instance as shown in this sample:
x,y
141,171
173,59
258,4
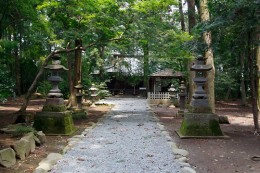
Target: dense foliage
x,y
234,25
147,30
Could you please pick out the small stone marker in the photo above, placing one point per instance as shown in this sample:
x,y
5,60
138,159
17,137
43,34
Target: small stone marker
x,y
188,170
41,136
7,157
22,148
30,138
48,162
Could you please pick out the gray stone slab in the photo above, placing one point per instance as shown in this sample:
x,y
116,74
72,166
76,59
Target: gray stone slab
x,y
7,157
22,148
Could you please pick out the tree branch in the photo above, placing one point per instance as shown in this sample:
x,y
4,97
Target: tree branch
x,y
36,79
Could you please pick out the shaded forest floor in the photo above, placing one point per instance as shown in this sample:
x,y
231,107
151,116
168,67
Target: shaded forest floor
x,y
233,155
54,143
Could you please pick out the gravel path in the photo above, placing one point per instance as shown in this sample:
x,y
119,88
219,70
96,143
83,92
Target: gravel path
x,y
127,140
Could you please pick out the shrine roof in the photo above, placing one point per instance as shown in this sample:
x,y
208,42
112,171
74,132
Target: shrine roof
x,y
167,73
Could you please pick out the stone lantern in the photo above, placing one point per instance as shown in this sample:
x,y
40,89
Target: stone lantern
x,y
79,94
54,118
200,121
79,112
173,96
182,101
55,68
93,94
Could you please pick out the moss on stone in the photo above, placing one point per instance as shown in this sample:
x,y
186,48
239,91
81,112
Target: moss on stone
x,y
201,109
215,128
54,122
79,114
200,125
54,108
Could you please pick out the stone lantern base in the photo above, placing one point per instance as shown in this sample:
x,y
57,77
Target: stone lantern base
x,y
54,119
200,125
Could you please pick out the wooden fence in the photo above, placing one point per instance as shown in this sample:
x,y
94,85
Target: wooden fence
x,y
158,95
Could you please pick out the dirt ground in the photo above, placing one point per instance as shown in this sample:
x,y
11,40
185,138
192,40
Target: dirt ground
x,y
53,144
233,155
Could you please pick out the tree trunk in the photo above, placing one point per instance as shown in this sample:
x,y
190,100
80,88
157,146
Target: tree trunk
x,y
102,68
36,79
33,85
242,82
77,73
257,55
192,23
228,93
77,64
18,85
204,15
18,77
69,63
181,16
253,83
146,64
191,14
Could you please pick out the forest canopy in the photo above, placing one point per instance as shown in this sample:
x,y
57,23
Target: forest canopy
x,y
161,33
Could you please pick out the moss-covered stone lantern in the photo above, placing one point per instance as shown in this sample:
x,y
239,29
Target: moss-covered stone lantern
x,y
200,121
54,118
55,68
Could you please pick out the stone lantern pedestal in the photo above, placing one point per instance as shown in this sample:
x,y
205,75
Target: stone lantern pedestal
x,y
54,118
199,121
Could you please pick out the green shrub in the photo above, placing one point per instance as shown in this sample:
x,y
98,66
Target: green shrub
x,y
22,130
6,85
44,88
64,87
103,92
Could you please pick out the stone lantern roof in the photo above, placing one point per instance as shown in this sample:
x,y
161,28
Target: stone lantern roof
x,y
55,67
56,64
79,86
167,73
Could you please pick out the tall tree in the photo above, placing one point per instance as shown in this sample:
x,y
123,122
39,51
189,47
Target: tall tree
x,y
257,55
235,25
205,16
18,23
191,22
151,22
181,16
191,14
